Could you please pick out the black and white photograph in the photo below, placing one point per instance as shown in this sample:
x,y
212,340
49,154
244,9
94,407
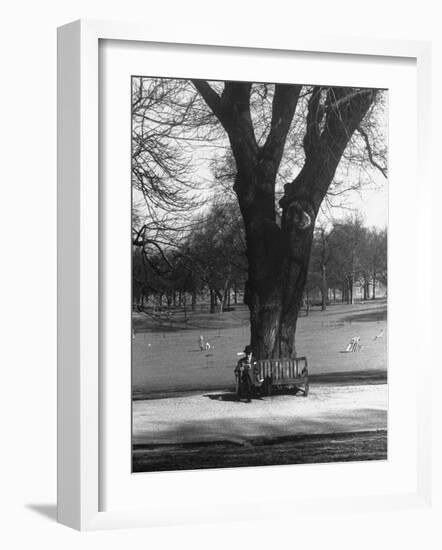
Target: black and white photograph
x,y
259,273
221,303
220,275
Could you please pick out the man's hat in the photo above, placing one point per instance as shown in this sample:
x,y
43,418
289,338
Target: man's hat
x,y
248,350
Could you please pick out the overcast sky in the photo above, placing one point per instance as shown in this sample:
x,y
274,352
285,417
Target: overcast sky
x,y
373,204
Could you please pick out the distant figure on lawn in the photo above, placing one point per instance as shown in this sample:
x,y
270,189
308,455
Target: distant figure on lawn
x,y
201,342
380,336
207,346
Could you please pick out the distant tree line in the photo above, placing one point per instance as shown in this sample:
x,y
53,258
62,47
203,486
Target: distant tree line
x,y
345,255
210,265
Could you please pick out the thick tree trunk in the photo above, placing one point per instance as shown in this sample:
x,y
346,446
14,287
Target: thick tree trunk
x,y
278,257
273,320
212,301
324,288
185,306
222,296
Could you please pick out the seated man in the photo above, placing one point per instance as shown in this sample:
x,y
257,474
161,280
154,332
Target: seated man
x,y
246,372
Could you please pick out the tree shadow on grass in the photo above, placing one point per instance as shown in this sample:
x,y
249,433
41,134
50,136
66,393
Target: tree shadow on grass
x,y
220,442
366,317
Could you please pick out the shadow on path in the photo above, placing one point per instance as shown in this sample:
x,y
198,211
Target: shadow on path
x,y
229,397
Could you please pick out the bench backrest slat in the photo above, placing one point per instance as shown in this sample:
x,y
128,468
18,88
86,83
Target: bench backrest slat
x,y
280,369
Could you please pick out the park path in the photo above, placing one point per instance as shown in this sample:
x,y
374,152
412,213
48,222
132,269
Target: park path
x,y
218,416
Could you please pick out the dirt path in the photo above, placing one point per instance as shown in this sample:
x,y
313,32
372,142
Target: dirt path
x,y
219,416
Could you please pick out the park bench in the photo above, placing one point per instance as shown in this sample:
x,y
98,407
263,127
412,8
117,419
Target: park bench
x,y
278,373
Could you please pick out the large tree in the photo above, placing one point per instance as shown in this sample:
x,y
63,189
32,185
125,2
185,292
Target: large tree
x,y
278,244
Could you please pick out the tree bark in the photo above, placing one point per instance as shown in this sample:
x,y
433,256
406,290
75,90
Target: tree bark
x,y
278,258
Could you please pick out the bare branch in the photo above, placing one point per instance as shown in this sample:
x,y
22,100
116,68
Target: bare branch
x,y
370,152
209,95
283,109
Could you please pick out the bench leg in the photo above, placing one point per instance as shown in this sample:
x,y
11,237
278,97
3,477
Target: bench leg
x,y
268,386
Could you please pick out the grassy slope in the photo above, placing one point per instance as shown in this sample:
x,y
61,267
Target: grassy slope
x,y
166,355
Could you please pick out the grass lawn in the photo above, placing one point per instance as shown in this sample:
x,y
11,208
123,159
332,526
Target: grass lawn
x,y
166,355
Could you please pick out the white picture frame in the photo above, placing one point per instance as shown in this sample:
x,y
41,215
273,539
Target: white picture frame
x,y
79,367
